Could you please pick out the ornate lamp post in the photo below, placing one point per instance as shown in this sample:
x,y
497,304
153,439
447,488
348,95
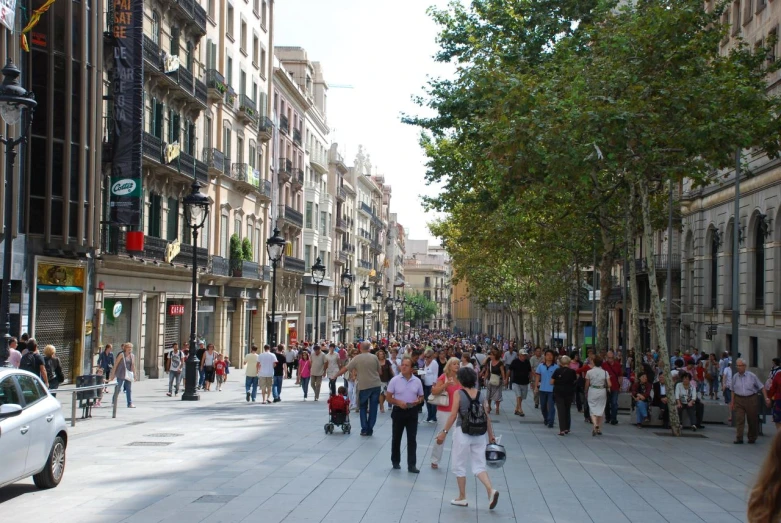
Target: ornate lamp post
x,y
378,301
275,246
196,209
318,275
389,310
364,292
14,99
347,282
399,327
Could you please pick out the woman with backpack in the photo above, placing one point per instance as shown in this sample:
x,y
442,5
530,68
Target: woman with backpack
x,y
470,413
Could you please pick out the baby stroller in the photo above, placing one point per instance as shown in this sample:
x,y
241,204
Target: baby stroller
x,y
338,414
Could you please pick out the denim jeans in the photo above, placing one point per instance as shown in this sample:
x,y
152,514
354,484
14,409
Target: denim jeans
x,y
548,407
369,400
431,410
251,386
174,378
305,385
201,377
727,396
127,385
641,409
611,410
276,388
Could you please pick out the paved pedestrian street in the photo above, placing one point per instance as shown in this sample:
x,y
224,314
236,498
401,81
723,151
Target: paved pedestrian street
x,y
226,460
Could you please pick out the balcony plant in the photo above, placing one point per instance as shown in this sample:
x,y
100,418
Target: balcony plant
x,y
246,250
236,255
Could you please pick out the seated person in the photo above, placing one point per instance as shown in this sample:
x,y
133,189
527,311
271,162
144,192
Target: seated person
x,y
339,402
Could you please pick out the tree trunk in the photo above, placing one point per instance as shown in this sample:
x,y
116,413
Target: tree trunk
x,y
521,322
605,285
575,331
635,297
656,304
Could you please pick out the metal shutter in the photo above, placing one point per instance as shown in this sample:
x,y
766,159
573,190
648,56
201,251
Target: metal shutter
x,y
55,324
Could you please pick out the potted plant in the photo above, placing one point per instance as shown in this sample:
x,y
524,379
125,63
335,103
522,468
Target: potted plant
x,y
236,255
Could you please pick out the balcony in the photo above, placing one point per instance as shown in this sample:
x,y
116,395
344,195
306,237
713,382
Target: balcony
x,y
285,170
152,147
363,233
265,189
215,160
294,265
243,172
215,85
220,266
342,225
292,217
245,269
183,78
365,264
348,248
194,13
230,99
319,162
298,179
341,194
155,249
284,126
366,208
185,164
661,262
297,137
267,273
152,55
265,129
201,93
375,246
248,109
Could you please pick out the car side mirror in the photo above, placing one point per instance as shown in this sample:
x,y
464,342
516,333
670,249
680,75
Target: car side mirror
x,y
10,410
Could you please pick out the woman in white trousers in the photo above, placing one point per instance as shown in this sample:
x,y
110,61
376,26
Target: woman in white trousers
x,y
446,382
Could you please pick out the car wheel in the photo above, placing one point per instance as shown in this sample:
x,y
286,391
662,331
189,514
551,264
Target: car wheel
x,y
52,472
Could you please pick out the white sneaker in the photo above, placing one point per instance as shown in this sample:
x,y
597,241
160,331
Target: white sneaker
x,y
494,498
459,502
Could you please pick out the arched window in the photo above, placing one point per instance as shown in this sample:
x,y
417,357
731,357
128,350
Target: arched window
x,y
714,270
759,265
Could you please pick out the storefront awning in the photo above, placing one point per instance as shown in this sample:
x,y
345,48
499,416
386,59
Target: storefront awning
x,y
59,288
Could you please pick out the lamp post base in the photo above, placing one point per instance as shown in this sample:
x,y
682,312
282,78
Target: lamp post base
x,y
191,396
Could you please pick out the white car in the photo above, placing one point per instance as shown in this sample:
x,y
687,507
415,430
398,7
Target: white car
x,y
33,433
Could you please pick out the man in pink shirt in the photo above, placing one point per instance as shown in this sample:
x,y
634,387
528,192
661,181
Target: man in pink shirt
x,y
14,356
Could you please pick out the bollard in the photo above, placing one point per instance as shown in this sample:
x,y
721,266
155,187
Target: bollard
x,y
116,400
73,409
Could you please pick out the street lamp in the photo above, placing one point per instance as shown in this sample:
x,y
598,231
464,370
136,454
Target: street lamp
x,y
398,310
389,310
403,316
196,209
364,292
378,301
318,275
14,99
347,282
275,246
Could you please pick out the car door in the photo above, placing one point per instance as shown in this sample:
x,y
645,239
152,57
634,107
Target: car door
x,y
35,413
14,434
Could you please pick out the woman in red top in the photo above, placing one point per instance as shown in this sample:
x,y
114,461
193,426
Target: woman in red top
x,y
446,382
775,394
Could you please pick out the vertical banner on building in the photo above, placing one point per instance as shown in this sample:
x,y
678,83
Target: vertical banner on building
x,y
128,78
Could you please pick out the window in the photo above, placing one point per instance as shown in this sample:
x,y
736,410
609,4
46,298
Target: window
x,y
226,142
237,226
736,18
173,219
242,82
262,62
249,232
252,154
243,36
31,392
8,393
211,54
210,8
156,27
772,40
175,33
759,267
308,218
323,229
229,70
174,126
427,282
155,204
254,91
427,294
224,235
307,258
207,132
748,12
229,22
255,49
256,7
239,150
263,10
156,125
753,355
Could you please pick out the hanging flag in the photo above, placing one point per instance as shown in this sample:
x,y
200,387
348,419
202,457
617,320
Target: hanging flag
x,y
36,16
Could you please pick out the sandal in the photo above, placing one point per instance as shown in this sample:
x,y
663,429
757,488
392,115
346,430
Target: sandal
x,y
593,432
434,466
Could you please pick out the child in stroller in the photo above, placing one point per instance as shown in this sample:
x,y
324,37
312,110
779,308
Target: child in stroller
x,y
338,412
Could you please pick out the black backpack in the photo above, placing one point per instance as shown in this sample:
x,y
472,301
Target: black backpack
x,y
475,423
30,363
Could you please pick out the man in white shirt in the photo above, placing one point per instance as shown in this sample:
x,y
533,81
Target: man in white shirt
x,y
251,374
267,362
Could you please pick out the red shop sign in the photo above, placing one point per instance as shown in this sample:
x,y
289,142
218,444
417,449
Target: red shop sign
x,y
176,310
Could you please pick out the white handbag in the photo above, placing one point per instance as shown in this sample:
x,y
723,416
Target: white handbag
x,y
441,400
129,376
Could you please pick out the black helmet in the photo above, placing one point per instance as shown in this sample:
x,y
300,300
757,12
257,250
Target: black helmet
x,y
495,456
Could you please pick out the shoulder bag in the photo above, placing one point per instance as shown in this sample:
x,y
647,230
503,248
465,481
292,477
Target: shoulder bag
x,y
129,375
440,400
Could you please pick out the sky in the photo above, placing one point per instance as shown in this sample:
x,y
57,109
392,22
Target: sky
x,y
383,49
